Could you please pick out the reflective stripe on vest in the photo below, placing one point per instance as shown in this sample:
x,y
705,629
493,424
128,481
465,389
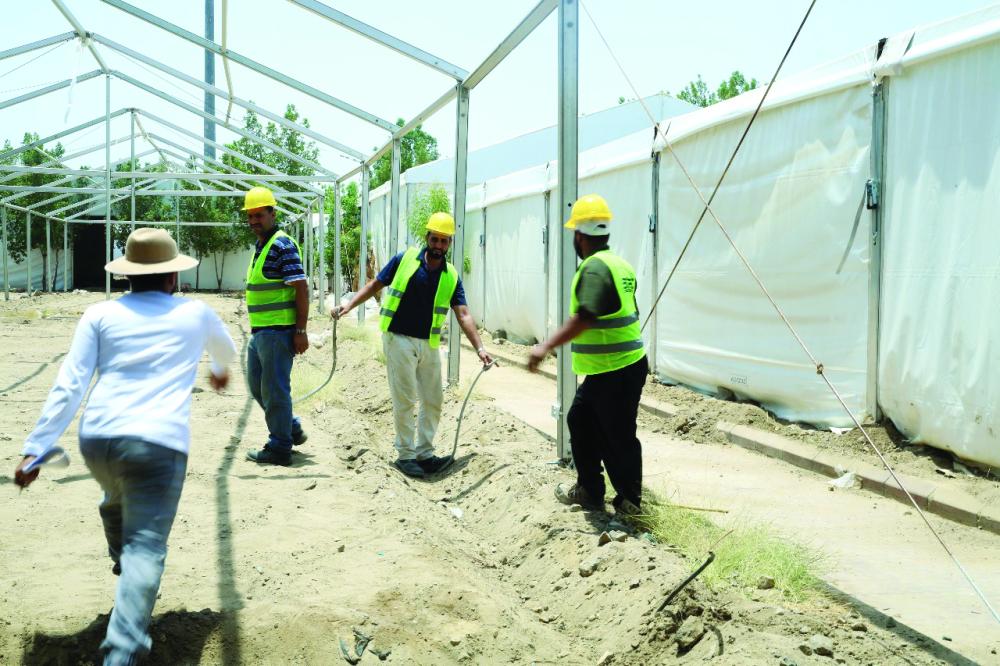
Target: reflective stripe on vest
x,y
615,340
269,302
447,284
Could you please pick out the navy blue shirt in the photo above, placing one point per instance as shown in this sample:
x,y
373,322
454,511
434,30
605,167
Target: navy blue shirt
x,y
282,261
416,307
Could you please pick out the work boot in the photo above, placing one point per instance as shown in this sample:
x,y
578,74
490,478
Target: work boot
x,y
410,467
435,464
117,569
626,508
576,495
299,437
268,456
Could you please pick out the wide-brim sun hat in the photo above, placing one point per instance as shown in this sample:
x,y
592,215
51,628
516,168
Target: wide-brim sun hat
x,y
149,251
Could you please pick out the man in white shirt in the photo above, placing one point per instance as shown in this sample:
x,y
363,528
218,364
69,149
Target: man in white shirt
x,y
135,432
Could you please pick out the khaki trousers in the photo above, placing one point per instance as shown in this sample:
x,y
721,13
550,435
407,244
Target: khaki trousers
x,y
414,371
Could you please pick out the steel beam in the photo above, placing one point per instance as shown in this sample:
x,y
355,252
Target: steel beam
x,y
6,253
251,64
274,117
569,42
876,203
363,244
132,167
209,163
374,34
34,46
320,257
654,228
107,185
81,33
337,219
14,101
65,256
458,243
238,130
394,198
516,36
219,146
415,122
13,152
209,77
29,283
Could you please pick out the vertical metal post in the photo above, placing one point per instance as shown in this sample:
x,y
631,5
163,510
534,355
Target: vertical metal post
x,y
458,243
569,43
394,198
47,284
30,283
363,244
321,255
209,149
65,255
6,253
337,215
654,229
107,183
177,220
876,200
308,250
132,167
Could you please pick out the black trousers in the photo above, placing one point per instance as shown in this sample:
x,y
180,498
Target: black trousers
x,y
602,430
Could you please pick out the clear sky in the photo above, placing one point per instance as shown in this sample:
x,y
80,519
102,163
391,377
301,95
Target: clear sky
x,y
662,44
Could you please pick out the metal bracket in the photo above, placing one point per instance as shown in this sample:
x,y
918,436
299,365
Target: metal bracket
x,y
652,224
872,194
556,410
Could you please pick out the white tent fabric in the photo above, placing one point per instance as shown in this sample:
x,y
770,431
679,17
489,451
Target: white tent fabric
x,y
17,273
940,325
795,204
791,202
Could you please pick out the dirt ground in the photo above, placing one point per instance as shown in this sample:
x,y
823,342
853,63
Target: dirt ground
x,y
699,414
296,565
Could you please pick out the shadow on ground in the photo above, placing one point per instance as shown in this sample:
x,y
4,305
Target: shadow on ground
x,y
179,637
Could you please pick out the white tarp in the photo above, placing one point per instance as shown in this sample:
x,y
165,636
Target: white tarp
x,y
940,323
17,273
791,203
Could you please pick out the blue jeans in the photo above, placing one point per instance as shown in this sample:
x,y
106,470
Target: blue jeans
x,y
142,484
269,372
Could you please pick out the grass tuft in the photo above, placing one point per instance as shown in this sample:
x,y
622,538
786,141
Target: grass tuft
x,y
742,558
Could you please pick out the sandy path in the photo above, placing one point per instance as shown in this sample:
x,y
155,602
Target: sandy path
x,y
277,565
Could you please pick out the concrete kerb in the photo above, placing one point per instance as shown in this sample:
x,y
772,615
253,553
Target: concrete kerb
x,y
948,503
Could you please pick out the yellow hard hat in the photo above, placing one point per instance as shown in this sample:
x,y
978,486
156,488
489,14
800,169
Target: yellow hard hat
x,y
590,215
441,223
259,197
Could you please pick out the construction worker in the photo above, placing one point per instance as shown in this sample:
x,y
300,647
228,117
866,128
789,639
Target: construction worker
x,y
607,350
422,288
278,306
135,432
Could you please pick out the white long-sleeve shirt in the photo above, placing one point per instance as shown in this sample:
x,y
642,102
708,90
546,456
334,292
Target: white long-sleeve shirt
x,y
145,348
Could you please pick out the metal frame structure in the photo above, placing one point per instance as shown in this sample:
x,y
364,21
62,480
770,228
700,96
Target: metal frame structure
x,y
297,204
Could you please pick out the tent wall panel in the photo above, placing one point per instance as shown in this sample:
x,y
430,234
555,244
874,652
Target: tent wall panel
x,y
792,202
515,277
940,324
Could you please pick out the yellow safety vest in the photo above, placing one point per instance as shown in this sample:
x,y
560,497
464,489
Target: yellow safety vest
x,y
615,341
269,302
408,265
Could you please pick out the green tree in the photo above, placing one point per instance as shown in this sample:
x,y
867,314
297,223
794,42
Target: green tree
x,y
17,220
416,148
697,92
736,84
350,234
425,204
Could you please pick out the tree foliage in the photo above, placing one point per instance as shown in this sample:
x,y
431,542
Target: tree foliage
x,y
350,233
417,147
697,92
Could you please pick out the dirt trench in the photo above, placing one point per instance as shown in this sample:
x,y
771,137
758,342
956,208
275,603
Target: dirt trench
x,y
282,565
